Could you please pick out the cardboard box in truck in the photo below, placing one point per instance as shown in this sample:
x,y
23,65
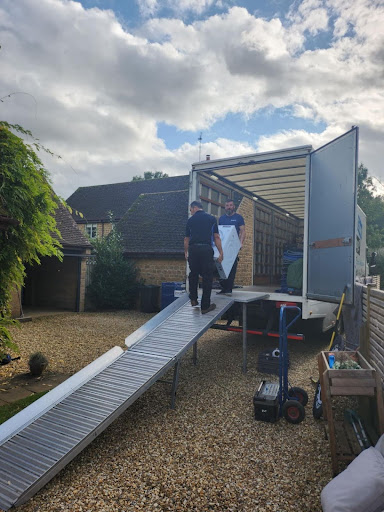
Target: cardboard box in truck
x,y
300,202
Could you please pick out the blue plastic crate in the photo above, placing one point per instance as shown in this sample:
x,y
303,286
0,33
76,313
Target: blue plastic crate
x,y
168,292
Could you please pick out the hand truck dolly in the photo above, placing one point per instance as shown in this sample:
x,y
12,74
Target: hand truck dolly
x,y
273,400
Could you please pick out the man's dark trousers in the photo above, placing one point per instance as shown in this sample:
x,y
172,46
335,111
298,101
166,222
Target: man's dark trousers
x,y
227,284
200,259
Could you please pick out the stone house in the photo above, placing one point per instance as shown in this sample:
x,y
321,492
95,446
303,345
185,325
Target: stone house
x,y
153,231
97,202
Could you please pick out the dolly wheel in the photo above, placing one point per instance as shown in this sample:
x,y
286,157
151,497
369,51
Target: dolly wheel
x,y
293,411
300,394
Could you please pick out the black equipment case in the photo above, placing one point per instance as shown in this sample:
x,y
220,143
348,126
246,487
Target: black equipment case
x,y
266,402
268,362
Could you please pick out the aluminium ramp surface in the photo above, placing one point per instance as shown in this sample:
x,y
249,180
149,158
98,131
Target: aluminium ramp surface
x,y
43,438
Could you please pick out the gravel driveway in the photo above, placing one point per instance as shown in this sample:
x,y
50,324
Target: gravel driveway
x,y
207,454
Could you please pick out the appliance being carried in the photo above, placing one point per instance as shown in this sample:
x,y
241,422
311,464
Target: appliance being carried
x,y
231,247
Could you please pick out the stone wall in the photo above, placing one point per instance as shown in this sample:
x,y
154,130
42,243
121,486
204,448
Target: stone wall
x,y
15,303
244,273
83,277
157,271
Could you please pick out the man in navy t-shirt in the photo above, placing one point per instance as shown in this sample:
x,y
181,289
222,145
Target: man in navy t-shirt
x,y
201,230
231,218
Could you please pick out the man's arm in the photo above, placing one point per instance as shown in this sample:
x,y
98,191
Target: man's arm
x,y
186,245
242,234
217,240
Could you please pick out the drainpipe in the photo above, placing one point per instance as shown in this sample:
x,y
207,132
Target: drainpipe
x,y
79,260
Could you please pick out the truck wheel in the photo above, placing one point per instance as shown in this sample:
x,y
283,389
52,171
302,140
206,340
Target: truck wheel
x,y
293,411
300,394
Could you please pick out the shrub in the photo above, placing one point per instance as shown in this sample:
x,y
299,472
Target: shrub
x,y
379,269
114,279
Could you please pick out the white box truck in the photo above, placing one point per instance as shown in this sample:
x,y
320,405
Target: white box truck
x,y
303,198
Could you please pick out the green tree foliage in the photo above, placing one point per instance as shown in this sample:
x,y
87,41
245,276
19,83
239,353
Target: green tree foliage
x,y
26,197
373,207
114,282
150,176
379,269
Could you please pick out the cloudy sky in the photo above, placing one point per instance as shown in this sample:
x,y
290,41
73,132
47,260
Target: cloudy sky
x,y
119,87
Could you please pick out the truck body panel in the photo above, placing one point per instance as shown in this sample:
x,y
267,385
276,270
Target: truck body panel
x,y
331,219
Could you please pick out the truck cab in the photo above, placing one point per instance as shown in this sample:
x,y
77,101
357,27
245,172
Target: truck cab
x,y
298,204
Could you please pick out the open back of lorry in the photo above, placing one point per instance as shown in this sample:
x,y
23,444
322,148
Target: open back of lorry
x,y
302,200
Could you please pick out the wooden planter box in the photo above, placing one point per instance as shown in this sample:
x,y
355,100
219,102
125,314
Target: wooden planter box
x,y
364,381
350,382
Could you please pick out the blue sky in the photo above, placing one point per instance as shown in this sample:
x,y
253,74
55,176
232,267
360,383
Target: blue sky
x,y
119,87
237,127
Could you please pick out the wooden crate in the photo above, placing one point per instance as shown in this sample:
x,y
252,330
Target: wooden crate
x,y
355,382
364,381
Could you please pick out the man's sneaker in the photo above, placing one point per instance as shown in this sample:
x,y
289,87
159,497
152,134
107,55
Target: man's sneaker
x,y
222,292
194,303
210,308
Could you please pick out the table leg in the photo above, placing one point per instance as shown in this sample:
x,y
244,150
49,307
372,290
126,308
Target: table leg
x,y
195,353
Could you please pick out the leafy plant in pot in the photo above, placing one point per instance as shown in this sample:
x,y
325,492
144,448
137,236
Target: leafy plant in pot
x,y
37,364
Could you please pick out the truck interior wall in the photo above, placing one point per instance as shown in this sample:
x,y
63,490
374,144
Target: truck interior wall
x,y
274,233
270,235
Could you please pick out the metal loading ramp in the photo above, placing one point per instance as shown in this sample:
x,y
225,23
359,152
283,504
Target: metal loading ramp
x,y
39,441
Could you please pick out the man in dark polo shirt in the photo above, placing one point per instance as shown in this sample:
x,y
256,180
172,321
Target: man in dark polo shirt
x,y
200,232
231,218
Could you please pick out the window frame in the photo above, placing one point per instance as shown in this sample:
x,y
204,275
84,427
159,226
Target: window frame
x,y
89,227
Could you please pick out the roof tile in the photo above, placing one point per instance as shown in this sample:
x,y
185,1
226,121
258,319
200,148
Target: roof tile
x,y
96,202
71,236
155,224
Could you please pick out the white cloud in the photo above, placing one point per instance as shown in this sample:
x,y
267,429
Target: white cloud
x,y
309,15
101,90
148,7
179,7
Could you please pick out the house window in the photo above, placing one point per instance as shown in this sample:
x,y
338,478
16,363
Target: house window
x,y
91,230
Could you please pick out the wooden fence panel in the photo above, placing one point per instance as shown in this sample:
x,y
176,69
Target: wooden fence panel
x,y
373,316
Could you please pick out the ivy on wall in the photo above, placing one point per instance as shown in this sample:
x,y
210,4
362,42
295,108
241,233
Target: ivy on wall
x,y
28,199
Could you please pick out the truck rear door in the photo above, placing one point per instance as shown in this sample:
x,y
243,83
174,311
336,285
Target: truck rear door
x,y
331,219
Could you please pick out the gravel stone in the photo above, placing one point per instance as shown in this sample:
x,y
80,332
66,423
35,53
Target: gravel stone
x,y
209,454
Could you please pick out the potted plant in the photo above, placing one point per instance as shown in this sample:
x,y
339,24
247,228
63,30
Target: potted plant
x,y
37,364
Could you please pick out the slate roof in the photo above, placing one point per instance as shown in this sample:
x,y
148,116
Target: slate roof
x,y
155,224
71,236
95,202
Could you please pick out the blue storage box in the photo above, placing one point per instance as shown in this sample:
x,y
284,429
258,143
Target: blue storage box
x,y
168,292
